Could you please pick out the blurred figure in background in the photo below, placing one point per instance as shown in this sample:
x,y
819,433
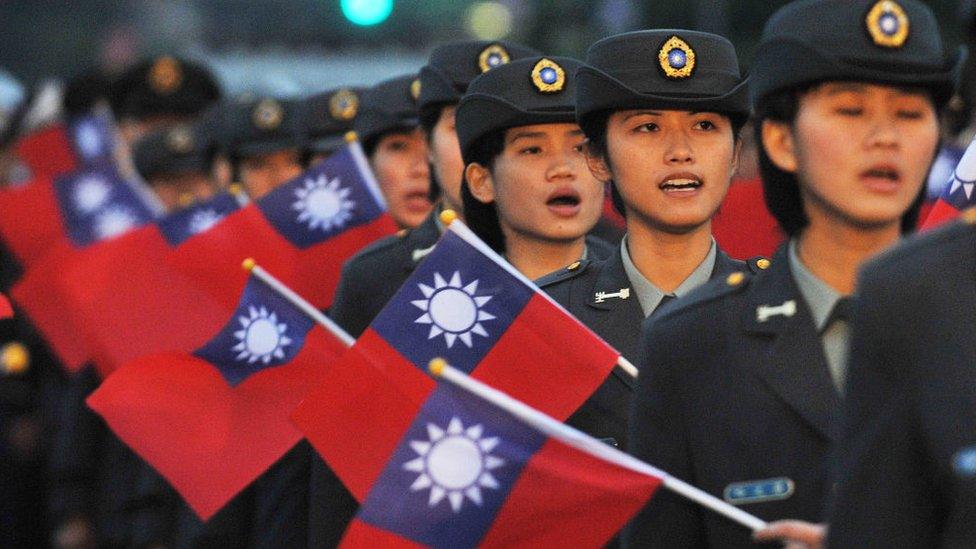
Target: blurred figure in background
x,y
331,115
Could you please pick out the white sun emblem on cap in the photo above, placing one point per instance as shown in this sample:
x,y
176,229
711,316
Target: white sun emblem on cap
x,y
452,309
114,221
89,141
262,337
455,464
91,193
203,220
323,204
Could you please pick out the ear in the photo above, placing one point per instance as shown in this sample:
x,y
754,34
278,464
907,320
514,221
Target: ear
x,y
597,164
778,142
480,182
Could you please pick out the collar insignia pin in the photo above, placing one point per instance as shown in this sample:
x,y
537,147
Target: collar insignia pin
x,y
765,312
623,293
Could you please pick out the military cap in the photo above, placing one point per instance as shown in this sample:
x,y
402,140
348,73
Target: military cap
x,y
389,105
261,126
84,91
532,90
661,68
182,148
882,41
166,85
452,66
330,116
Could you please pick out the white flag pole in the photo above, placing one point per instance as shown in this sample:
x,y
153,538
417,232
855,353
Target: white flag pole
x,y
583,442
252,267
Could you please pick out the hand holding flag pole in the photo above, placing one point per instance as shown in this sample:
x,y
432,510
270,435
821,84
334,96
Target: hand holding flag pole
x,y
572,437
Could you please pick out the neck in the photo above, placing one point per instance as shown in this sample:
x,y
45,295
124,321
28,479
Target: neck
x,y
667,259
536,258
835,251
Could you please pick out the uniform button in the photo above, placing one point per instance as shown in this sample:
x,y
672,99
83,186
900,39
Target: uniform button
x,y
14,358
735,279
763,263
573,266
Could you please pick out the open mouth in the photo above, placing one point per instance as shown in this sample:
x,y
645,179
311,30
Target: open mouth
x,y
882,173
684,182
564,201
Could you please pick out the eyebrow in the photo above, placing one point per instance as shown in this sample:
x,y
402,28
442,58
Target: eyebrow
x,y
855,87
641,113
524,135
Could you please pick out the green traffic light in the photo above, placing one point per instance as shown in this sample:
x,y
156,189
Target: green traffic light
x,y
366,12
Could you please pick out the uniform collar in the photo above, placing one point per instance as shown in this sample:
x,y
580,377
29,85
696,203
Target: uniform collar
x,y
819,296
648,294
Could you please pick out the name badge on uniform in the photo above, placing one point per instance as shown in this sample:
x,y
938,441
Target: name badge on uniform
x,y
964,462
758,491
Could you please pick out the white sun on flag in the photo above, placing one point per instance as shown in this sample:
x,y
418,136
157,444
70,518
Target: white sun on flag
x,y
114,221
261,338
89,141
452,309
323,204
91,193
203,220
455,464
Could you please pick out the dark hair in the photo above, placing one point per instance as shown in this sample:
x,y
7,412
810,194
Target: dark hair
x,y
430,115
597,143
781,190
482,218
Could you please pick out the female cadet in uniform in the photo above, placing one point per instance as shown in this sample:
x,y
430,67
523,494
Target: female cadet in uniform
x,y
664,134
388,127
264,141
740,382
527,191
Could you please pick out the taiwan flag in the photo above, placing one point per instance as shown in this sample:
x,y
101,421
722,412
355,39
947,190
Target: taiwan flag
x,y
95,204
213,420
958,194
128,301
469,473
47,152
468,305
302,231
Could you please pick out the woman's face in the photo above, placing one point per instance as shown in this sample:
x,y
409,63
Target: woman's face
x,y
672,168
861,152
262,173
541,186
400,164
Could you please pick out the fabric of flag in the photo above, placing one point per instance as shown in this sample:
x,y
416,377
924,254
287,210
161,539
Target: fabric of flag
x,y
30,222
47,152
95,204
128,301
466,304
470,474
302,231
958,194
6,310
214,420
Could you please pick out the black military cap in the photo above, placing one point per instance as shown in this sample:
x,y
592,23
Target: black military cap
x,y
330,116
661,68
182,148
886,41
262,126
533,90
163,86
389,105
84,91
452,67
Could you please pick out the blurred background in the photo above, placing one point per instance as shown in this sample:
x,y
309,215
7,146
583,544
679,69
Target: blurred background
x,y
295,47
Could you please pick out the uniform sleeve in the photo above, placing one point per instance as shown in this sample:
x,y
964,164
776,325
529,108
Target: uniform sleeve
x,y
281,501
74,455
347,305
331,506
883,486
657,437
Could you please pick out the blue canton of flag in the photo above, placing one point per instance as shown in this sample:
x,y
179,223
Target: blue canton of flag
x,y
181,225
453,471
97,203
93,139
338,194
265,331
457,304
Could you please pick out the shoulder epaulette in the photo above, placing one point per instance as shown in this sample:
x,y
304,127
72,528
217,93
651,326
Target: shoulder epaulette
x,y
572,270
711,291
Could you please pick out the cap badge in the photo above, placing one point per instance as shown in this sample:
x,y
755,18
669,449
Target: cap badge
x,y
166,75
343,104
888,24
268,114
548,76
180,140
492,56
676,58
415,89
